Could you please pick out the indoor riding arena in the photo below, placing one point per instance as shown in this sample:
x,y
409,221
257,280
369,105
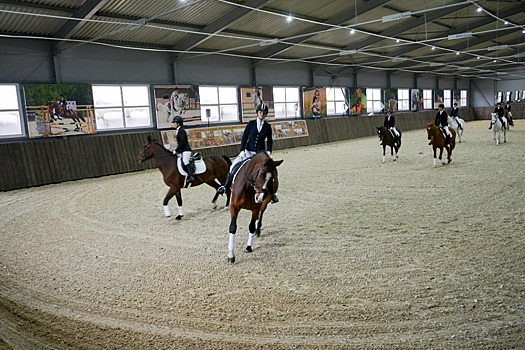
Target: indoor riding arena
x,y
357,254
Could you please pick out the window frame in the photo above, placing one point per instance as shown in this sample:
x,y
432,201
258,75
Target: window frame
x,y
374,99
402,101
19,110
122,107
217,107
292,107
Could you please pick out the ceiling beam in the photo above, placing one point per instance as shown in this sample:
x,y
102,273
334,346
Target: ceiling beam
x,y
220,24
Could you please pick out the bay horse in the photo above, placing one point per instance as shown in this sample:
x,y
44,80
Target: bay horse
x,y
217,168
458,126
387,139
57,111
437,140
498,127
250,191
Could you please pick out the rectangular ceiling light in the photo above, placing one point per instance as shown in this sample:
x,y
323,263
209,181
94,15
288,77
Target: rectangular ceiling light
x,y
268,42
460,36
498,47
436,64
397,16
347,52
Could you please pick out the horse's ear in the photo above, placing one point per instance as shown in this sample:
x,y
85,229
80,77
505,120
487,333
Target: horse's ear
x,y
276,163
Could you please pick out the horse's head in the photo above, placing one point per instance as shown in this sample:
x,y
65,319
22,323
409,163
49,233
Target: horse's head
x,y
494,116
147,151
265,171
380,132
430,130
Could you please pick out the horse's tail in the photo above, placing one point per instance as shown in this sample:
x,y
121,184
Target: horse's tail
x,y
228,160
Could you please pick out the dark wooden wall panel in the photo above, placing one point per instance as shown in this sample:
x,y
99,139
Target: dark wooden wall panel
x,y
38,162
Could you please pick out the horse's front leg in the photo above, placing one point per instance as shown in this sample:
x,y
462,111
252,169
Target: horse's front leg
x,y
173,191
435,159
258,224
234,212
384,153
251,228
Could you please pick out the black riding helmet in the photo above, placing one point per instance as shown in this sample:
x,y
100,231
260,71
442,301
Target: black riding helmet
x,y
178,119
262,107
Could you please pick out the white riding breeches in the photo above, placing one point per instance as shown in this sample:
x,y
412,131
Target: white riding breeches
x,y
394,131
241,157
186,157
447,131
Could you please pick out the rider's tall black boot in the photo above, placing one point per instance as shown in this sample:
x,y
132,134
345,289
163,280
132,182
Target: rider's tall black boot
x,y
189,169
490,126
227,184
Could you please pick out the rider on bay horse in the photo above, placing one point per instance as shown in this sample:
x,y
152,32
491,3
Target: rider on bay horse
x,y
390,124
442,122
253,141
183,147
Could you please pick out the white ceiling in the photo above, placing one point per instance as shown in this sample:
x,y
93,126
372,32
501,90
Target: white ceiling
x,y
477,39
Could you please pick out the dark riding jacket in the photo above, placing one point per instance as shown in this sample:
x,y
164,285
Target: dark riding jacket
x,y
441,119
454,112
390,122
182,141
499,111
508,107
254,140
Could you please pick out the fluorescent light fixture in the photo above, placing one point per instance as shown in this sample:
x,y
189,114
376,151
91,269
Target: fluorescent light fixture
x,y
352,31
460,36
484,71
519,55
501,73
463,67
347,52
268,42
479,9
498,47
399,59
396,16
436,64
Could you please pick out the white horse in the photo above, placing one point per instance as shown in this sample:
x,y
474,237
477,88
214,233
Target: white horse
x,y
497,127
166,110
458,126
257,100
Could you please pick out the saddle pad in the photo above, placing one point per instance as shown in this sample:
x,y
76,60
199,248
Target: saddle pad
x,y
200,167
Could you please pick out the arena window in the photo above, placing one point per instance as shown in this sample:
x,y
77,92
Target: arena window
x,y
10,112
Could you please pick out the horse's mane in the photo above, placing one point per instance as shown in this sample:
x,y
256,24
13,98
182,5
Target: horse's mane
x,y
161,146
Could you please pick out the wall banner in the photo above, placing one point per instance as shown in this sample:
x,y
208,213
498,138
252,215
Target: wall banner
x,y
231,135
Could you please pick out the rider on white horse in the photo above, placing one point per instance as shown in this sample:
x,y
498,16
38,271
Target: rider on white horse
x,y
454,114
442,122
174,101
390,124
499,111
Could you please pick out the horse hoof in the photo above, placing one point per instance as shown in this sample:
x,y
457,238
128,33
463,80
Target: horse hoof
x,y
248,249
231,260
178,217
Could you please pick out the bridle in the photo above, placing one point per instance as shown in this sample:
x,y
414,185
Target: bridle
x,y
257,188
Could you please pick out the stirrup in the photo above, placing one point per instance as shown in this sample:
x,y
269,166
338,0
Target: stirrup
x,y
221,190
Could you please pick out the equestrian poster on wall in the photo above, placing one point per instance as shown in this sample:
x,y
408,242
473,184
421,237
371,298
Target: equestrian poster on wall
x,y
390,96
357,101
173,100
314,100
251,97
230,135
59,109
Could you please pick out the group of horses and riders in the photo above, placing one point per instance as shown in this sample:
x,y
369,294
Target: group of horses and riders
x,y
249,182
440,135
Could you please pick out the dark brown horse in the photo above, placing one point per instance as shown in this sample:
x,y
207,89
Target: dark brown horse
x,y
57,111
217,168
387,139
437,140
251,191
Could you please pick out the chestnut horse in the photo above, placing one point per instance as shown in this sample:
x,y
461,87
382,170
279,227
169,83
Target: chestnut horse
x,y
437,140
387,139
250,191
57,111
217,168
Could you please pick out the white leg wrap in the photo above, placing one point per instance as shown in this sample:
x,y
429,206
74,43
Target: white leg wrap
x,y
181,211
435,161
231,244
167,211
250,239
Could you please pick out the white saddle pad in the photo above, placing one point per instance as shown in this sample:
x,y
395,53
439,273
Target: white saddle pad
x,y
200,167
